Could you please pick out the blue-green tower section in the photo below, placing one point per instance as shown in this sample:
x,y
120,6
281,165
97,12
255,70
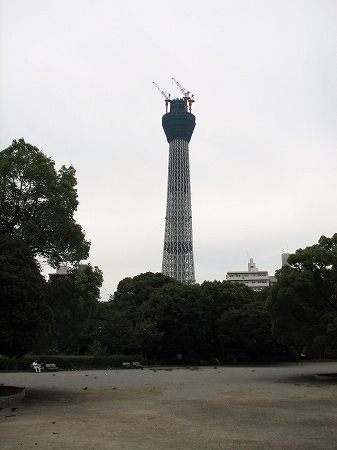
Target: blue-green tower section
x,y
178,259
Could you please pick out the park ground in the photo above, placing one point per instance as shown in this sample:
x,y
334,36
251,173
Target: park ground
x,y
253,407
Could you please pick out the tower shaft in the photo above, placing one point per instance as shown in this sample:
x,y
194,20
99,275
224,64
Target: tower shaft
x,y
178,243
178,261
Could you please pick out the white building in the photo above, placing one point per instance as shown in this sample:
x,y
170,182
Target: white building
x,y
285,257
253,277
64,270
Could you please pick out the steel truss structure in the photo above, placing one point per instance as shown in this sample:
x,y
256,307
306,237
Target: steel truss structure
x,y
178,260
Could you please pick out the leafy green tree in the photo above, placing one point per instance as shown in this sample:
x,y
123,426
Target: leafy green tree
x,y
175,310
97,349
219,297
303,303
146,333
37,204
248,327
164,318
24,314
129,327
135,291
73,299
132,293
113,327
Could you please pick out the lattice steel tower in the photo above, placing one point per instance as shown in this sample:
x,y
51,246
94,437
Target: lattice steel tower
x,y
178,124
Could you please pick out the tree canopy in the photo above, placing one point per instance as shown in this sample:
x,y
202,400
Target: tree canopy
x,y
37,204
73,300
175,310
136,290
303,302
164,318
25,316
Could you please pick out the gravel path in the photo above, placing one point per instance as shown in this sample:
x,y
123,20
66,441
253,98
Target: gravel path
x,y
262,407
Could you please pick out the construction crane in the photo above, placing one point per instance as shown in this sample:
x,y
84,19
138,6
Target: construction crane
x,y
165,95
188,97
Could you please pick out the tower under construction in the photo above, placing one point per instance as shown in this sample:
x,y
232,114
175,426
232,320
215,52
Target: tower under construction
x,y
178,124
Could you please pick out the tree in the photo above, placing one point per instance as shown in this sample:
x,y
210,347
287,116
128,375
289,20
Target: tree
x,y
24,314
303,303
135,291
146,333
175,310
133,329
248,327
113,328
37,204
73,299
219,297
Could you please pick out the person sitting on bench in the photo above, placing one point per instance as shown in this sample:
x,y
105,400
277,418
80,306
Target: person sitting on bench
x,y
36,367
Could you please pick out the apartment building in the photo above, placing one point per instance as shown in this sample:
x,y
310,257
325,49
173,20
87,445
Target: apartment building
x,y
253,277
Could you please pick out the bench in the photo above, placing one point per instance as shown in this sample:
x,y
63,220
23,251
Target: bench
x,y
126,365
137,364
51,367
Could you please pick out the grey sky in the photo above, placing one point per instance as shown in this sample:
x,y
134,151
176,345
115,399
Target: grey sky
x,y
76,81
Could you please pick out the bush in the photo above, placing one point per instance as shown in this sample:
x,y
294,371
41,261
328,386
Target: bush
x,y
68,362
293,354
180,362
14,363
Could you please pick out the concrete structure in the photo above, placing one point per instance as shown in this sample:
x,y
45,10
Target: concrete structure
x,y
64,270
178,124
285,257
254,278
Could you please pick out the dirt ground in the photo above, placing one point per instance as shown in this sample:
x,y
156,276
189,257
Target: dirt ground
x,y
262,407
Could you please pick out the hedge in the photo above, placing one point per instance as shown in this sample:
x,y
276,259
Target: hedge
x,y
68,362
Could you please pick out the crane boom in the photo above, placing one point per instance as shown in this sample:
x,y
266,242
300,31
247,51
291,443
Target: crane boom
x,y
188,97
183,90
164,94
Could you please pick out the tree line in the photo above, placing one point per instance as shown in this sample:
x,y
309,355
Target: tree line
x,y
151,314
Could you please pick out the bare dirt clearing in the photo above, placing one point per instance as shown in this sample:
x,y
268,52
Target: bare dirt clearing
x,y
262,407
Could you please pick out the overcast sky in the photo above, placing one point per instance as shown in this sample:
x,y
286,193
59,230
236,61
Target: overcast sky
x,y
76,82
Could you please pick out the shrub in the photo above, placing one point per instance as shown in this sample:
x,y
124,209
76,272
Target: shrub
x,y
68,362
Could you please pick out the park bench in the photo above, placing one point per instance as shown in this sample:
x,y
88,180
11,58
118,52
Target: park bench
x,y
51,367
137,364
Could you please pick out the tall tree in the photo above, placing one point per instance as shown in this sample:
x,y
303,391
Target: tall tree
x,y
303,302
135,291
37,204
219,297
113,328
73,299
24,314
175,310
248,327
130,300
